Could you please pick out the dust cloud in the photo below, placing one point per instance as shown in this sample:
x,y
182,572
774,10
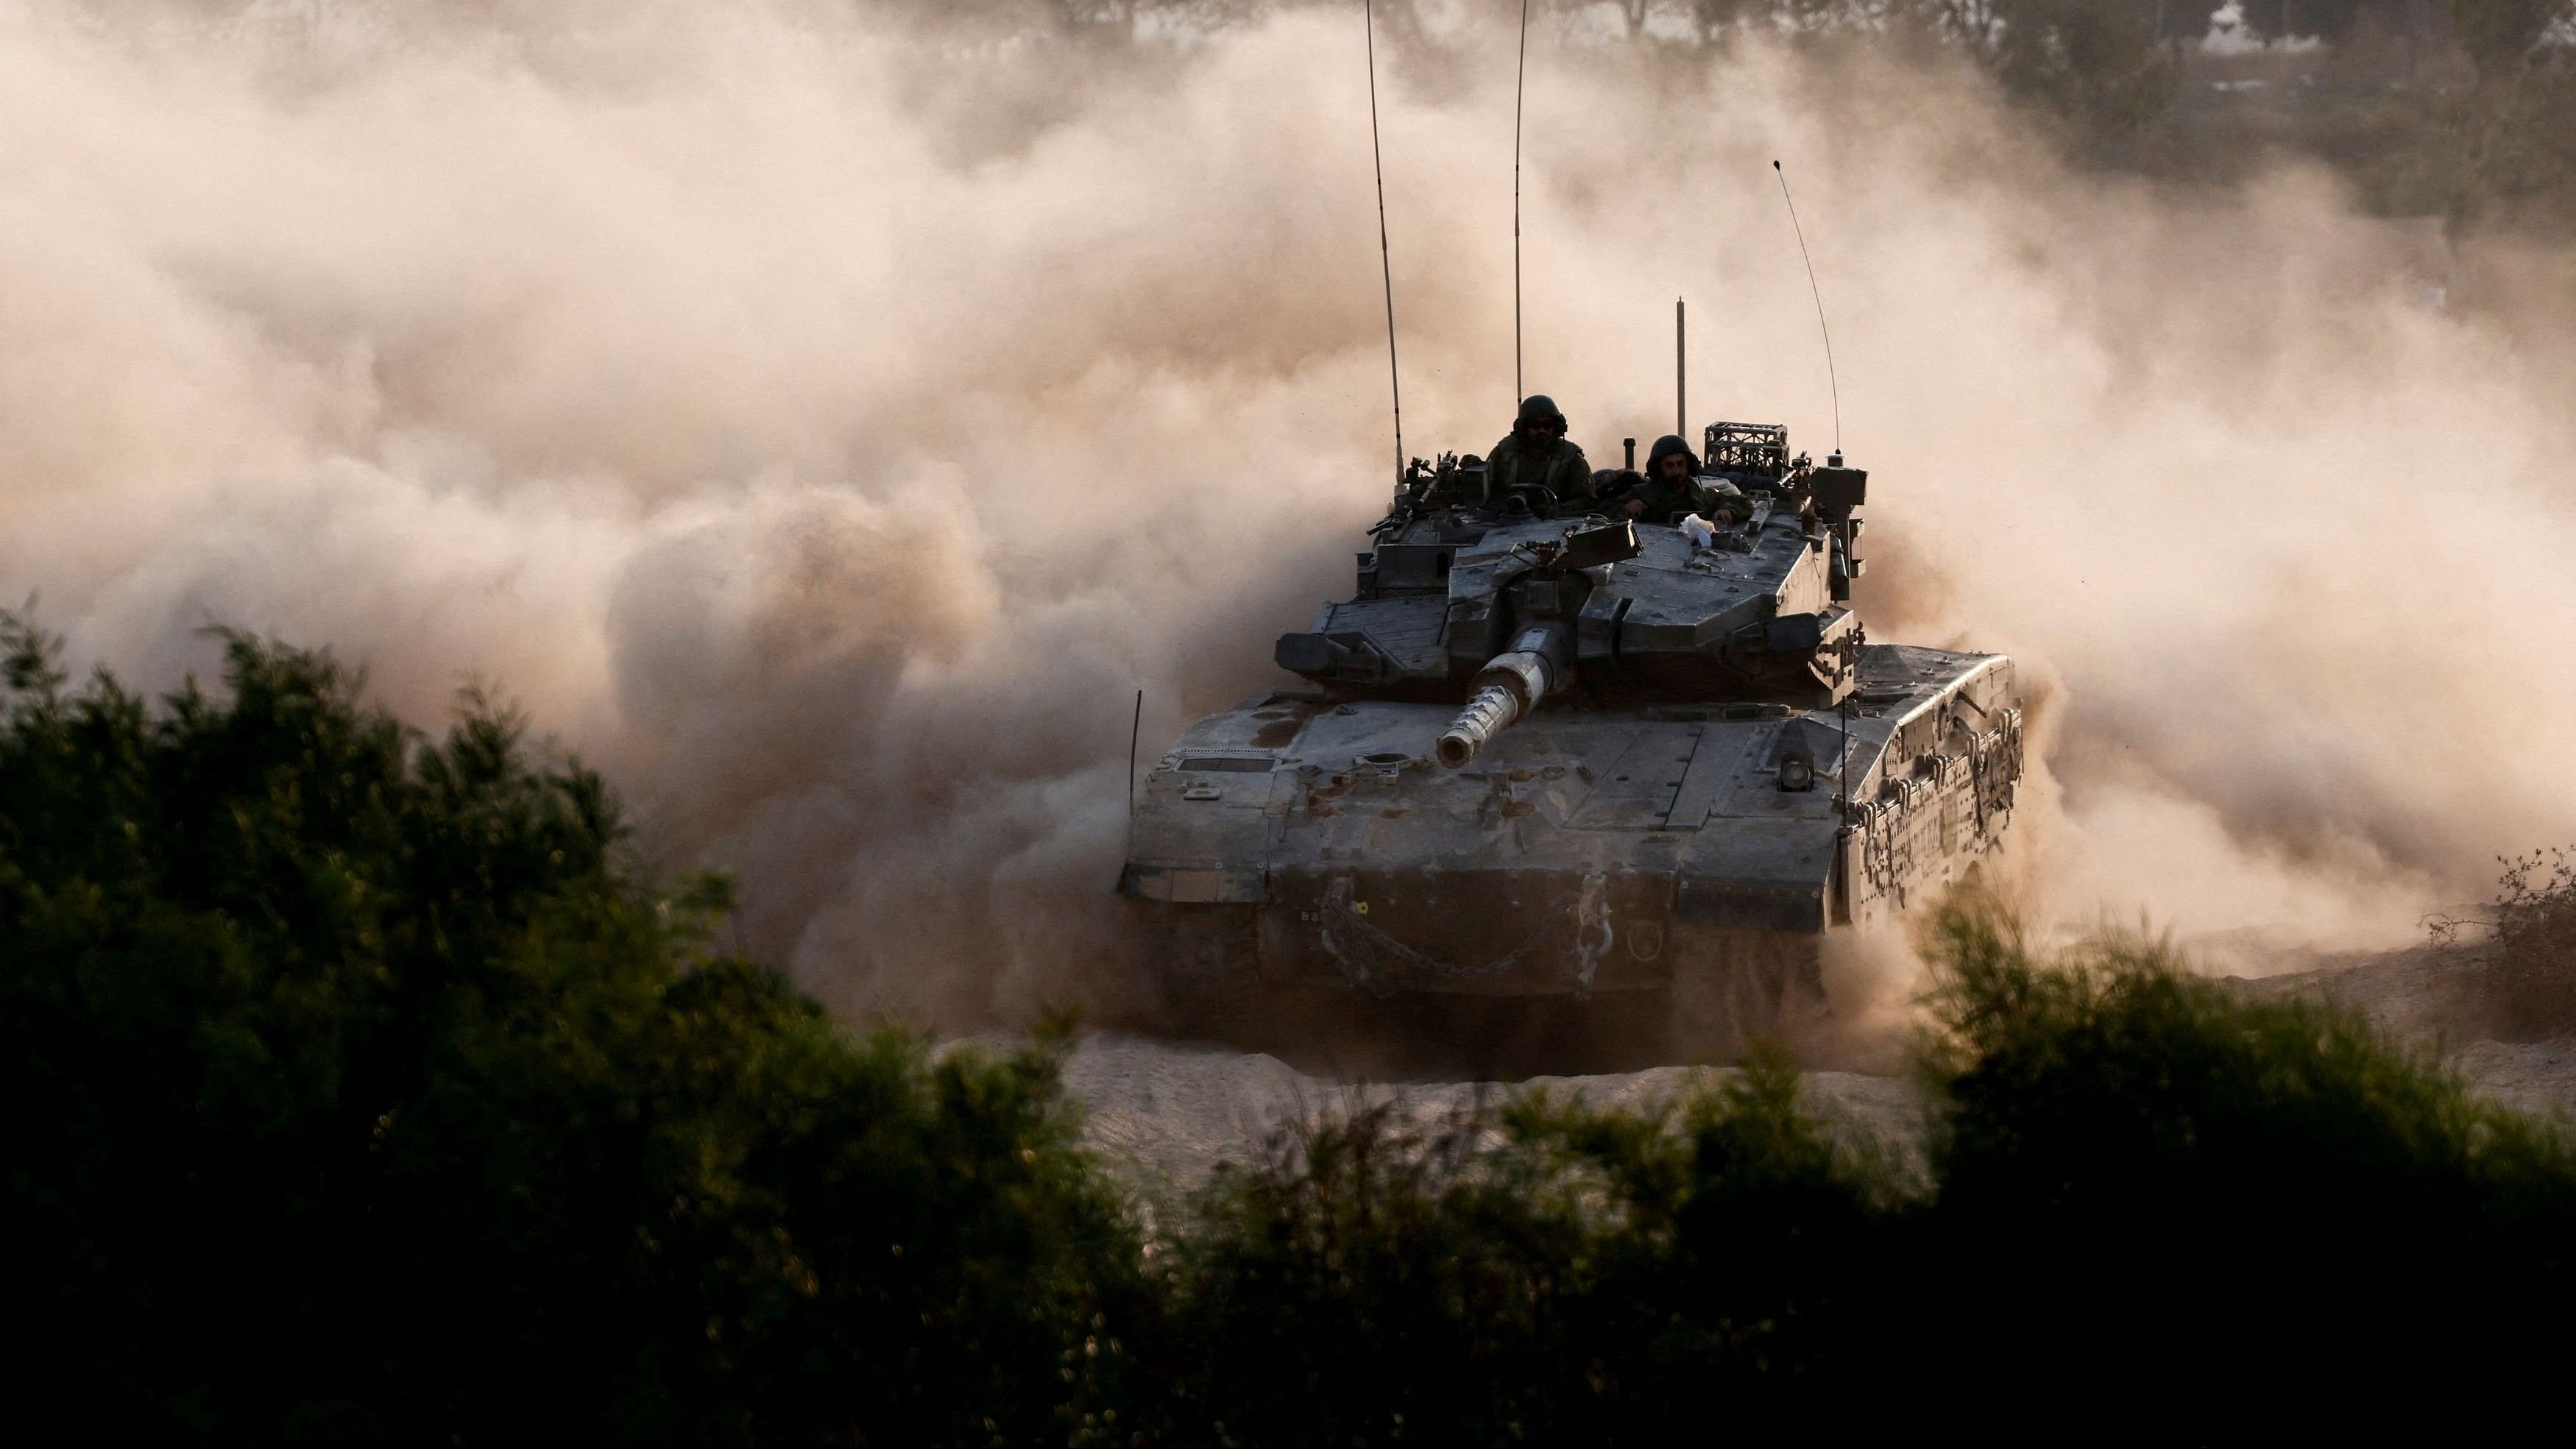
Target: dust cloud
x,y
827,427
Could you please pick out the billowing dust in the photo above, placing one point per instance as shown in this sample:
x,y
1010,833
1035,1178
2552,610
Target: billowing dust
x,y
827,429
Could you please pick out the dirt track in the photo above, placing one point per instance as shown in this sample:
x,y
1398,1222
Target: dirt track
x,y
1172,1111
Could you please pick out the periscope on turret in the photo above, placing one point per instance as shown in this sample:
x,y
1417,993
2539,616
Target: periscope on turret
x,y
1544,752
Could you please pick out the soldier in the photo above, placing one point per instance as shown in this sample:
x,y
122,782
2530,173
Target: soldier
x,y
1671,488
1538,455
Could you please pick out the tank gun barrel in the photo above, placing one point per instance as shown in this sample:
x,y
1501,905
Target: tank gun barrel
x,y
1508,687
1487,715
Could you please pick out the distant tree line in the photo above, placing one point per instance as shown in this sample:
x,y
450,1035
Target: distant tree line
x,y
2487,118
359,1087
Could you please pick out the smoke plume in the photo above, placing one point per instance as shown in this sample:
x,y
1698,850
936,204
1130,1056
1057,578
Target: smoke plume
x,y
827,426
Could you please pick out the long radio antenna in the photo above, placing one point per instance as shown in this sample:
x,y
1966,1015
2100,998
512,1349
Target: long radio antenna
x,y
1520,88
1830,380
1385,262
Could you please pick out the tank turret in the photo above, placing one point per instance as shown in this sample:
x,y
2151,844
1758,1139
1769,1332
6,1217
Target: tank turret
x,y
1752,611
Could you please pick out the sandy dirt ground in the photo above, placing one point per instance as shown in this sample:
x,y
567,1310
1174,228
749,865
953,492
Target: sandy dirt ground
x,y
1171,1111
2446,1001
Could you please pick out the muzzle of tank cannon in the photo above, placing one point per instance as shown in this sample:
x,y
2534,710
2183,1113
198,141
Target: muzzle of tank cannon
x,y
1491,711
1538,664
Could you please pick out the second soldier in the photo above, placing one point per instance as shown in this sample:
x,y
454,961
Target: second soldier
x,y
1537,456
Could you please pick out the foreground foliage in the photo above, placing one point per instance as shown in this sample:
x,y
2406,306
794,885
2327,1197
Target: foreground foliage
x,y
2140,1190
359,1086
2135,1168
356,1087
1550,1274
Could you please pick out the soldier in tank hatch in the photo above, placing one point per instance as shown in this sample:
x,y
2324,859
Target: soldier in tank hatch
x,y
1538,455
1671,488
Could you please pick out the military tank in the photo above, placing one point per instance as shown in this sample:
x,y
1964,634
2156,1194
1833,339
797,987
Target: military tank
x,y
1543,752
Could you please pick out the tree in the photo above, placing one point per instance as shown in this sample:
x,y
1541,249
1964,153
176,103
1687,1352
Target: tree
x,y
356,1086
2106,64
2327,20
2521,122
2504,37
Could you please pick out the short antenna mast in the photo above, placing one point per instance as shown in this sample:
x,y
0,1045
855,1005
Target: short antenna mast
x,y
1386,262
1830,380
1520,88
1681,397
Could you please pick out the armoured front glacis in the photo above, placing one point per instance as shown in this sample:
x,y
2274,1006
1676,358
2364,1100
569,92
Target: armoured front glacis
x,y
1559,862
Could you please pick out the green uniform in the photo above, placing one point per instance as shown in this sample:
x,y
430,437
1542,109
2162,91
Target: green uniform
x,y
1666,500
1556,465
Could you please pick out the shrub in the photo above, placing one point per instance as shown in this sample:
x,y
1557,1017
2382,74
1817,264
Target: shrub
x,y
2145,1199
358,1086
2143,1178
1541,1273
2528,971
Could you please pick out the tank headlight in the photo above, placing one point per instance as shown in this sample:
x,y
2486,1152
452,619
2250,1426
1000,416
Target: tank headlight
x,y
1797,773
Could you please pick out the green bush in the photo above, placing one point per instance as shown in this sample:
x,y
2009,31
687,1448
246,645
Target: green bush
x,y
2144,1197
2142,1177
357,1086
1546,1273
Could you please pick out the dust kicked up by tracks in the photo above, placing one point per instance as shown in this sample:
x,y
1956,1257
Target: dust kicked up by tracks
x,y
825,429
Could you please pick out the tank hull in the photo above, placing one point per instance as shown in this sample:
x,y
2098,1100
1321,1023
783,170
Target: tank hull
x,y
1302,840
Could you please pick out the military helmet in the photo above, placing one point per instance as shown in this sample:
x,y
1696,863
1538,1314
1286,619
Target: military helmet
x,y
1665,447
1538,407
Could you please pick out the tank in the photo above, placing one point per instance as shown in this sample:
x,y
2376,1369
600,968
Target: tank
x,y
1548,753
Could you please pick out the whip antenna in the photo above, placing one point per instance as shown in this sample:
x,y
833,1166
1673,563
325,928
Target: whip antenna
x,y
1520,87
1386,263
1820,304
